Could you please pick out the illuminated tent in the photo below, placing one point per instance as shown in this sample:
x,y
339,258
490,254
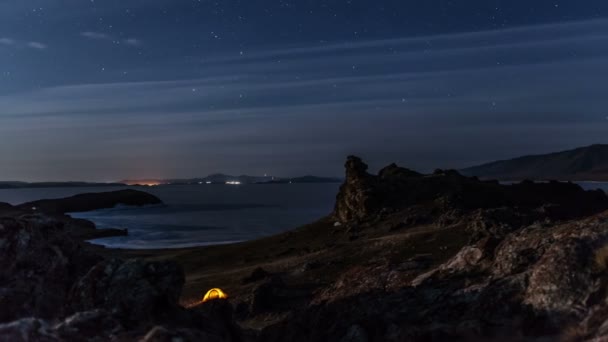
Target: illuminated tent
x,y
214,294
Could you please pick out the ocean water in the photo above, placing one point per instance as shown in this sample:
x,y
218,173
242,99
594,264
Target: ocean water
x,y
198,215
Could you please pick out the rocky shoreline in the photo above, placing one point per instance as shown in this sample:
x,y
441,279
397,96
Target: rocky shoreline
x,y
403,257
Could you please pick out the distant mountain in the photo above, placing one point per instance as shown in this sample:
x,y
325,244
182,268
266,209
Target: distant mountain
x,y
306,179
25,185
581,164
220,178
217,178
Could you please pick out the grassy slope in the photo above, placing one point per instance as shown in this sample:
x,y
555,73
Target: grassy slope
x,y
332,249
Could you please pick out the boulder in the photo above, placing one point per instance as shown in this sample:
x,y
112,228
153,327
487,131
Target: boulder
x,y
164,334
27,330
88,325
38,265
53,287
136,290
267,296
257,275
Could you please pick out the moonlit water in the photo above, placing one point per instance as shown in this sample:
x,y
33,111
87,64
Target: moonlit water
x,y
197,215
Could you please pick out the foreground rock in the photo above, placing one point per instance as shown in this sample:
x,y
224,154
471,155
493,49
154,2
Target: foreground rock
x,y
92,201
53,288
38,265
535,266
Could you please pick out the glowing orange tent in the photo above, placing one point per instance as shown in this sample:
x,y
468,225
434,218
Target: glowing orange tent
x,y
214,294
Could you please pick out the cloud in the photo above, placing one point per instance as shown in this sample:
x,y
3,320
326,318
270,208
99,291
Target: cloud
x,y
22,44
6,41
104,36
132,42
36,45
95,35
438,101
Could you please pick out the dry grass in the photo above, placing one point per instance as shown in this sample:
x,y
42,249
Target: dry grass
x,y
572,333
601,258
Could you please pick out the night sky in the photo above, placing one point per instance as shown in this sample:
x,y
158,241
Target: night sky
x,y
113,89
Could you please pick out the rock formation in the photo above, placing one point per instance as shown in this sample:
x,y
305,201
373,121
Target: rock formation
x,y
53,288
534,267
92,201
363,197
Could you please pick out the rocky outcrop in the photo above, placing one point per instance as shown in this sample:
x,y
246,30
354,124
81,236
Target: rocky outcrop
x,y
53,287
92,201
534,267
86,230
38,265
540,282
136,290
357,198
449,196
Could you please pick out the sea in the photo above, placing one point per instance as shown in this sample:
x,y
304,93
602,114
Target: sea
x,y
200,215
207,214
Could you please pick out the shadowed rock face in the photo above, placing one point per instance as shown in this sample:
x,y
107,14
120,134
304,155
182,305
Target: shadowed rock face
x,y
358,196
38,264
364,196
92,201
141,291
75,295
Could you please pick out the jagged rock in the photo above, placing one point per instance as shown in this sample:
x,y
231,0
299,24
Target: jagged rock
x,y
267,296
355,199
48,273
89,325
27,330
86,230
38,265
527,272
394,173
355,334
257,275
163,334
137,290
448,196
467,258
216,318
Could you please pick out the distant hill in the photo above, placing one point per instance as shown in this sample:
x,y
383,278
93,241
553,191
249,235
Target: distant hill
x,y
220,178
306,179
582,164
